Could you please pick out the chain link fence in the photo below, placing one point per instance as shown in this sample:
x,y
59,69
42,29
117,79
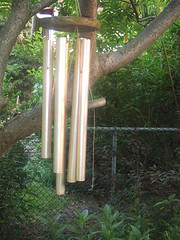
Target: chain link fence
x,y
123,164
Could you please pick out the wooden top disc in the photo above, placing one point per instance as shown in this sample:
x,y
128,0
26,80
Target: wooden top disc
x,y
70,24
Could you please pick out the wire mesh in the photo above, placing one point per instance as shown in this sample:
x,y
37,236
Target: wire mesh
x,y
129,163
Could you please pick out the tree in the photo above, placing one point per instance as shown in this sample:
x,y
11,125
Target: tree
x,y
22,10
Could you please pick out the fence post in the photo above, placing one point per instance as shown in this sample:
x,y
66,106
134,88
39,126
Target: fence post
x,y
113,163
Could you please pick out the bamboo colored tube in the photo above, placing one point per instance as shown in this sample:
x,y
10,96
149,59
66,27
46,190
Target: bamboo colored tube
x,y
71,173
83,110
60,105
60,184
47,98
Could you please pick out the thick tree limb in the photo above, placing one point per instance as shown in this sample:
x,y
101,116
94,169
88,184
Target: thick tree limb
x,y
10,31
28,123
21,12
113,61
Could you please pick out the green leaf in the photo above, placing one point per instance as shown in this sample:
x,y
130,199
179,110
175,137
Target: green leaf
x,y
59,232
85,214
171,197
43,220
72,229
116,225
107,208
164,202
136,231
57,217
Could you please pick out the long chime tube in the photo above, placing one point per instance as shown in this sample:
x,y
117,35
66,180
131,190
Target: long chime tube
x,y
60,106
83,111
60,183
71,173
47,98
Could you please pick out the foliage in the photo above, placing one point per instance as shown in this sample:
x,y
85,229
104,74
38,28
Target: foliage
x,y
5,7
12,181
28,206
138,224
119,21
36,202
39,200
165,217
40,170
111,227
139,94
24,192
142,94
80,230
66,7
23,76
55,228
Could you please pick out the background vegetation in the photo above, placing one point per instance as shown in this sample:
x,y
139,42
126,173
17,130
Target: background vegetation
x,y
144,93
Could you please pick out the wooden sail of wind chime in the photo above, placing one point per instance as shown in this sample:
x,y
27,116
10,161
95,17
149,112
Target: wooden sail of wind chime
x,y
78,131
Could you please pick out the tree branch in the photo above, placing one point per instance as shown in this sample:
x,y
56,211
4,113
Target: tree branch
x,y
139,20
135,11
146,18
88,8
39,6
8,34
113,61
28,123
20,13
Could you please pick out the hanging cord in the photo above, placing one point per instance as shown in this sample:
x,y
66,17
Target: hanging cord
x,y
170,74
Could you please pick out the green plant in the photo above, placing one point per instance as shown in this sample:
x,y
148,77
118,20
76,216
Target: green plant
x,y
80,229
39,200
136,234
54,229
111,226
139,225
169,202
165,218
23,76
13,181
142,93
41,171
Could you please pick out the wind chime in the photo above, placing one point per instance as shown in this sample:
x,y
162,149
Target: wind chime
x,y
78,131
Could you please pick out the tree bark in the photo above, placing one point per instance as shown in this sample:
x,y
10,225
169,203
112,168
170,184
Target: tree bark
x,y
27,123
114,61
21,12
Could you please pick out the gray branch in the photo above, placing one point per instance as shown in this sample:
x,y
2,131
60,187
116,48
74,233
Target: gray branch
x,y
39,6
113,61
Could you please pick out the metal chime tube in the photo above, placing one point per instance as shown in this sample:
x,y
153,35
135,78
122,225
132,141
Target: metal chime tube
x,y
60,107
60,183
83,111
47,98
71,174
